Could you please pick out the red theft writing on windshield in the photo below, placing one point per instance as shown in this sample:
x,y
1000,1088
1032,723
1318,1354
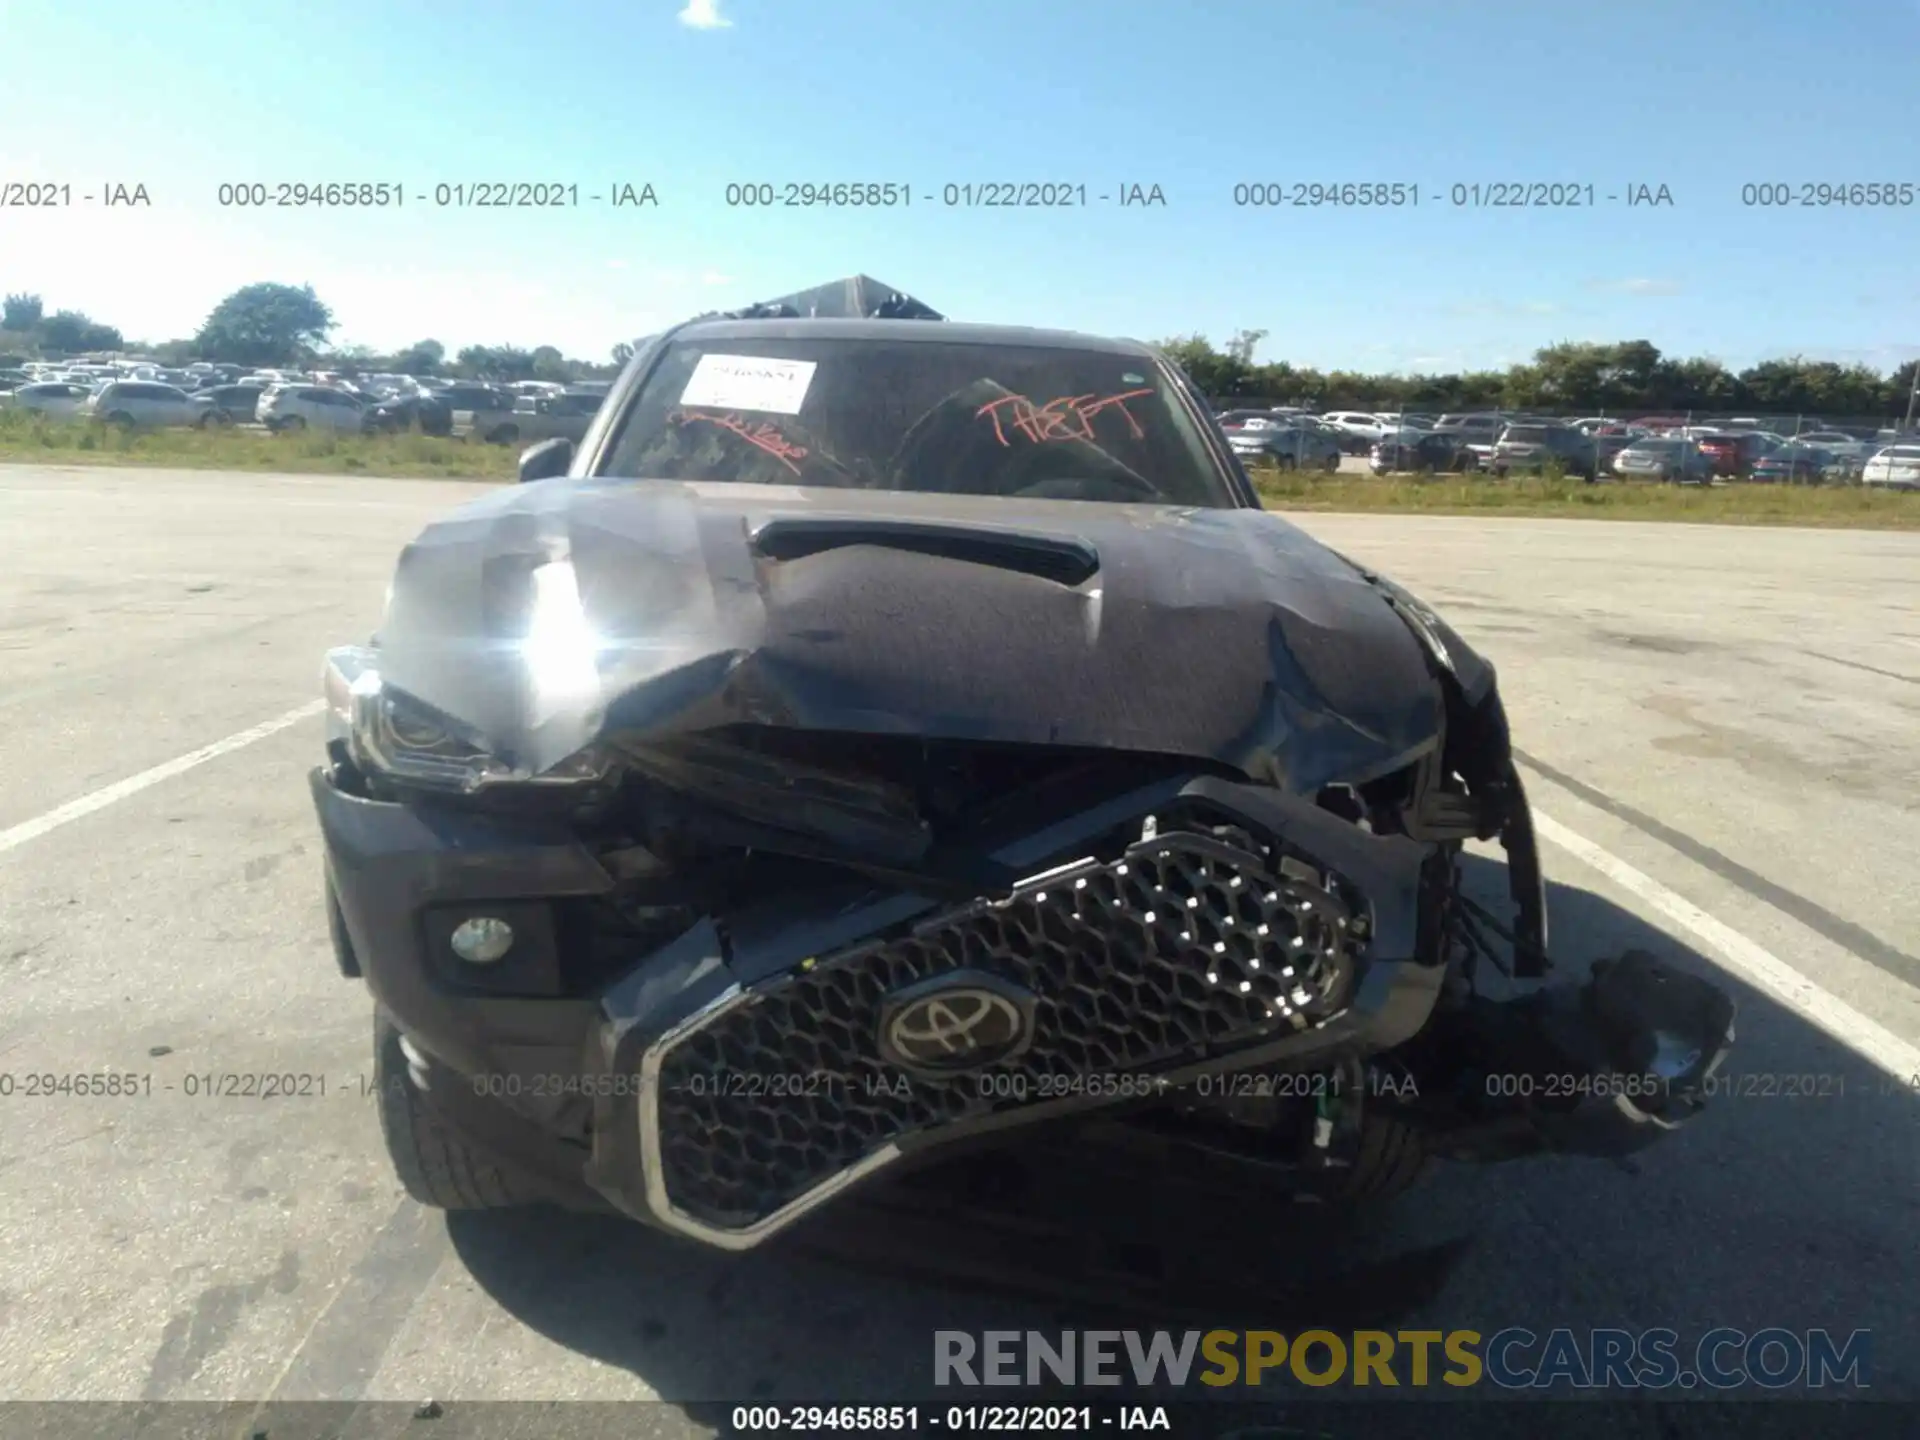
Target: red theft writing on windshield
x,y
1068,418
755,432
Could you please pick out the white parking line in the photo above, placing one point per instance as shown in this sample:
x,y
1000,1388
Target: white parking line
x,y
99,799
1753,963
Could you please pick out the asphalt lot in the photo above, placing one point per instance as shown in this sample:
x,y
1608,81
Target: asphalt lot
x,y
1723,722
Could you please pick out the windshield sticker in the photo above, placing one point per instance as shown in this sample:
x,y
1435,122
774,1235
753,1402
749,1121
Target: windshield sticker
x,y
749,382
1068,418
760,433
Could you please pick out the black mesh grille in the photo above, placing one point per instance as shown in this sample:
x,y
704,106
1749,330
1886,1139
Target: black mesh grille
x,y
1185,948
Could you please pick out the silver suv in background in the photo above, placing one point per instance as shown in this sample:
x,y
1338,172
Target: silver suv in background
x,y
1289,441
49,397
315,407
1671,458
145,404
1534,447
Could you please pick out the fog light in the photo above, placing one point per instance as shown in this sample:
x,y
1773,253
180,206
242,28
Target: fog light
x,y
482,940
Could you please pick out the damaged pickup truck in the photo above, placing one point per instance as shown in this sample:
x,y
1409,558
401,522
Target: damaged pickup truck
x,y
880,734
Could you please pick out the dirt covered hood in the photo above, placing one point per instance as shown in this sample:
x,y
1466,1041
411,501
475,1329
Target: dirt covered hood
x,y
544,615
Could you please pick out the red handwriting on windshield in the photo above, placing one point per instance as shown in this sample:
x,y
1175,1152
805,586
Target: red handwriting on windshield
x,y
754,432
1068,418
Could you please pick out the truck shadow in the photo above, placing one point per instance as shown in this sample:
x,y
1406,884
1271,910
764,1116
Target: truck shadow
x,y
1775,1209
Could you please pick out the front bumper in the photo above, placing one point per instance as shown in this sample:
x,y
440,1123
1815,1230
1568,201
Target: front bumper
x,y
723,1088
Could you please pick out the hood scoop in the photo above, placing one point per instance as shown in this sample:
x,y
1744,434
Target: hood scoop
x,y
1059,559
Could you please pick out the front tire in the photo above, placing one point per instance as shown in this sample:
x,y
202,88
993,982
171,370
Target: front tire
x,y
435,1166
1392,1159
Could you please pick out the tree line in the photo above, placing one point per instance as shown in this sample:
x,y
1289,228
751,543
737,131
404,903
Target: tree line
x,y
273,325
280,325
1625,376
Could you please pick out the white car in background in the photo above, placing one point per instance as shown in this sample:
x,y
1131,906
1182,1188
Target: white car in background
x,y
143,403
311,407
1897,467
1360,430
50,397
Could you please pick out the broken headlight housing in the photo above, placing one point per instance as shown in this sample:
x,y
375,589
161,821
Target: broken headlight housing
x,y
388,733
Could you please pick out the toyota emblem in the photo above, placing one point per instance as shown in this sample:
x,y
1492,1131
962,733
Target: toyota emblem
x,y
960,1021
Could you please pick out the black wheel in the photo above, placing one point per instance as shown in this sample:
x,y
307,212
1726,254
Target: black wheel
x,y
120,419
291,423
1287,462
1331,464
505,435
435,1166
1390,1161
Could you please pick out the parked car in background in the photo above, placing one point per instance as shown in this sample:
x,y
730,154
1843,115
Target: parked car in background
x,y
1734,452
1404,420
49,397
315,407
569,412
1611,438
1484,425
1360,430
231,404
1437,450
1794,463
1533,448
143,404
1840,444
1663,457
482,412
14,379
1897,467
1302,444
422,411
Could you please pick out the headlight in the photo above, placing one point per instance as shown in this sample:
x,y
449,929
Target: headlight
x,y
389,733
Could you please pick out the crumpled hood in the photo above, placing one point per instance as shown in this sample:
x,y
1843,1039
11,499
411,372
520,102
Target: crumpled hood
x,y
543,616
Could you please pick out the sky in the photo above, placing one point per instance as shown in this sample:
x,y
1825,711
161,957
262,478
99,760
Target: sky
x,y
1195,97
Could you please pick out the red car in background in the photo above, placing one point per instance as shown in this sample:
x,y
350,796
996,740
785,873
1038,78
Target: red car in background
x,y
1734,453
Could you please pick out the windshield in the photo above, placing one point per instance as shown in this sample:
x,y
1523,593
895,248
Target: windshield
x,y
1526,434
1036,422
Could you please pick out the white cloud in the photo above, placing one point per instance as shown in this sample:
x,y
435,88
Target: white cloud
x,y
1637,286
704,15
